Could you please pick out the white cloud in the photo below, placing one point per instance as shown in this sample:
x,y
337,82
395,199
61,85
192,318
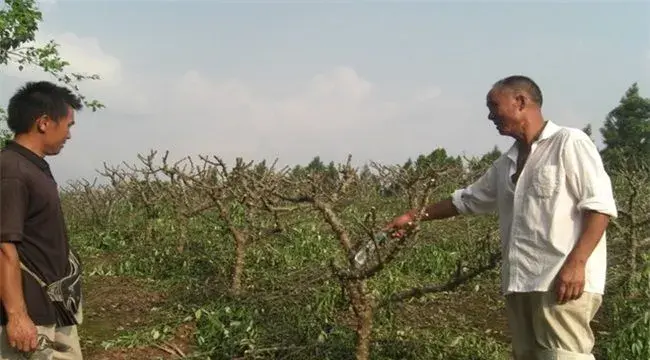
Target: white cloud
x,y
330,114
341,83
86,56
334,100
428,94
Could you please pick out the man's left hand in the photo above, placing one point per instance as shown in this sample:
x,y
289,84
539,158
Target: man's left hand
x,y
570,281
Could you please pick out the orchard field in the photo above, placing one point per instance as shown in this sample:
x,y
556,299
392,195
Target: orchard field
x,y
196,259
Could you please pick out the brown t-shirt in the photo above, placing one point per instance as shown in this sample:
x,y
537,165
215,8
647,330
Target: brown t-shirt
x,y
31,217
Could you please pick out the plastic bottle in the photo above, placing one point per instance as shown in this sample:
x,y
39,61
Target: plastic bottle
x,y
368,249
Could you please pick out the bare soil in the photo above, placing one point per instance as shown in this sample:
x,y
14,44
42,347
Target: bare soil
x,y
114,305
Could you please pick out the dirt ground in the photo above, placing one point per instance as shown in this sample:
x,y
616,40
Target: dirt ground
x,y
115,304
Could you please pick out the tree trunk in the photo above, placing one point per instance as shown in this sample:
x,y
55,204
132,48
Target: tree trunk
x,y
633,245
182,239
633,253
362,303
238,267
240,250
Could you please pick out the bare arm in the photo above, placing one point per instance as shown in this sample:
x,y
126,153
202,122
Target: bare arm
x,y
478,198
13,209
441,210
593,228
11,280
591,185
21,331
571,278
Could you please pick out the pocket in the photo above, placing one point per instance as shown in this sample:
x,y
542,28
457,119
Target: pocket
x,y
545,181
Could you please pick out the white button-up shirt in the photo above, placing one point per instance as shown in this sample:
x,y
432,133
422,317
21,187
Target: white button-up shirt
x,y
541,216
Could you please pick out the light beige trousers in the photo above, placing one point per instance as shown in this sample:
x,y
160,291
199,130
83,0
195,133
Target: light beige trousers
x,y
542,329
66,336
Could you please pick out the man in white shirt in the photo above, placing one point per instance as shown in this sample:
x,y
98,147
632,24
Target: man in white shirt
x,y
554,201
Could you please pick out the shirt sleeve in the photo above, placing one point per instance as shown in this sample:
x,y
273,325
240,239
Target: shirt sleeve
x,y
13,209
480,197
586,177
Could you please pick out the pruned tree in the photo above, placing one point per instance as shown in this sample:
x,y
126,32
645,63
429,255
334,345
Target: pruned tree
x,y
210,189
85,199
139,184
436,165
418,184
366,249
312,191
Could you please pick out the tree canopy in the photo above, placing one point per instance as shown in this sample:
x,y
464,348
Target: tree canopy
x,y
626,130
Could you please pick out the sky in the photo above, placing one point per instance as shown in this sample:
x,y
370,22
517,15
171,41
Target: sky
x,y
383,81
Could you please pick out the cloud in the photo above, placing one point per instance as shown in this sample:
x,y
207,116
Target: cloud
x,y
331,114
86,56
428,94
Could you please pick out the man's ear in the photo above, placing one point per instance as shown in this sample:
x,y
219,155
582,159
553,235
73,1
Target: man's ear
x,y
41,123
521,102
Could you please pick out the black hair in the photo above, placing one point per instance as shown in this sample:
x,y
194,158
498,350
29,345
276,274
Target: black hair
x,y
524,84
36,99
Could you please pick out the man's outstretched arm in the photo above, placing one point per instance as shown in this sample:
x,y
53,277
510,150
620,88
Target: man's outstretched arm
x,y
478,198
437,211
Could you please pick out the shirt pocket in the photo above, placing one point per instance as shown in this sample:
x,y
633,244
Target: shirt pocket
x,y
545,181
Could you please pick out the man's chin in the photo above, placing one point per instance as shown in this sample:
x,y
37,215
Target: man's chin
x,y
54,152
503,131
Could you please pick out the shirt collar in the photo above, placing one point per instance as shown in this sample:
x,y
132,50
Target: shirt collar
x,y
550,128
29,155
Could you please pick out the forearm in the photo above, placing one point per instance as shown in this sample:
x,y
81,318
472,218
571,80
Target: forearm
x,y
593,228
11,287
440,210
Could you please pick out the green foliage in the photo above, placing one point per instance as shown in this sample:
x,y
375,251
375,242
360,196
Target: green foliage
x,y
291,305
588,130
626,131
226,332
437,158
5,134
631,319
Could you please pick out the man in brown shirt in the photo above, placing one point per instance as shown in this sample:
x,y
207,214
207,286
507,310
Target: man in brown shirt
x,y
40,276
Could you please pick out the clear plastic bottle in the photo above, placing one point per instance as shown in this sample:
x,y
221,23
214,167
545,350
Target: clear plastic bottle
x,y
368,249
